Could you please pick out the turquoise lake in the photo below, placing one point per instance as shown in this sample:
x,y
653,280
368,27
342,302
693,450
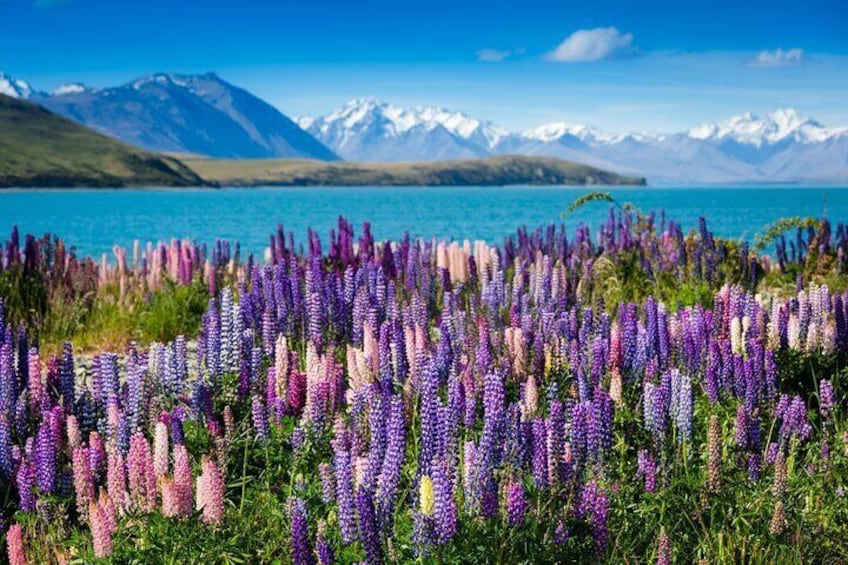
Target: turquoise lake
x,y
93,221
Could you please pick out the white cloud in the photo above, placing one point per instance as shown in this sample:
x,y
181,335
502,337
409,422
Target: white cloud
x,y
497,55
593,45
779,58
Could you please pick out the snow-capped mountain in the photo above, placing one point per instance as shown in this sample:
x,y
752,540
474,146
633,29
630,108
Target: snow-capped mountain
x,y
200,114
16,88
368,129
772,128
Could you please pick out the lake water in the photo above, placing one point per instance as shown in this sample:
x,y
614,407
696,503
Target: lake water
x,y
94,220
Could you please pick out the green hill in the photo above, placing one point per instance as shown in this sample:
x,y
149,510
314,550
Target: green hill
x,y
41,149
492,171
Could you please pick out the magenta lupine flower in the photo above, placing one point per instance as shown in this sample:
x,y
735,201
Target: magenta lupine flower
x,y
210,492
83,481
516,502
15,545
301,550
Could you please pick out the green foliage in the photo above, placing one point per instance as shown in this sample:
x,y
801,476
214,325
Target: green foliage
x,y
595,196
774,230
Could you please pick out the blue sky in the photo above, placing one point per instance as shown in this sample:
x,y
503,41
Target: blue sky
x,y
658,66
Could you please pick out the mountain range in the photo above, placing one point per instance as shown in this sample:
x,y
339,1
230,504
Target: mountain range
x,y
781,146
205,115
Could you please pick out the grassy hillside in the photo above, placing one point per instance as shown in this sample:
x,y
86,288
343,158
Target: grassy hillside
x,y
507,170
39,148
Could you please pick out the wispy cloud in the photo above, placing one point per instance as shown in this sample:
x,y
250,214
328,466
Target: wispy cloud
x,y
778,58
497,55
587,45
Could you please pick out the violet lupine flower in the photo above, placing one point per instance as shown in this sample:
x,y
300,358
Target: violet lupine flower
x,y
389,478
593,507
369,535
540,453
516,502
323,549
45,458
344,481
826,398
301,550
445,506
15,545
260,419
647,469
7,464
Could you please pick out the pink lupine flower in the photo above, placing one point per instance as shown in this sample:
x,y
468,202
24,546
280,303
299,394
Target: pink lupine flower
x,y
101,533
15,545
160,449
210,492
142,478
170,499
73,431
109,514
116,478
83,481
35,388
182,480
96,454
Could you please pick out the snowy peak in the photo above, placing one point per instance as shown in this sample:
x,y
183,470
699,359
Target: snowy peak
x,y
361,114
557,130
16,88
774,127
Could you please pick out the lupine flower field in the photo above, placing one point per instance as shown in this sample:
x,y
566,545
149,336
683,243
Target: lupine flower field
x,y
644,393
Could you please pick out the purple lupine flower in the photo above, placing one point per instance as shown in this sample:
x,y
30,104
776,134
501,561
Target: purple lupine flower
x,y
516,502
7,464
647,468
45,457
323,549
25,480
445,506
389,478
540,453
344,481
328,483
301,551
369,535
593,507
826,398
260,419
